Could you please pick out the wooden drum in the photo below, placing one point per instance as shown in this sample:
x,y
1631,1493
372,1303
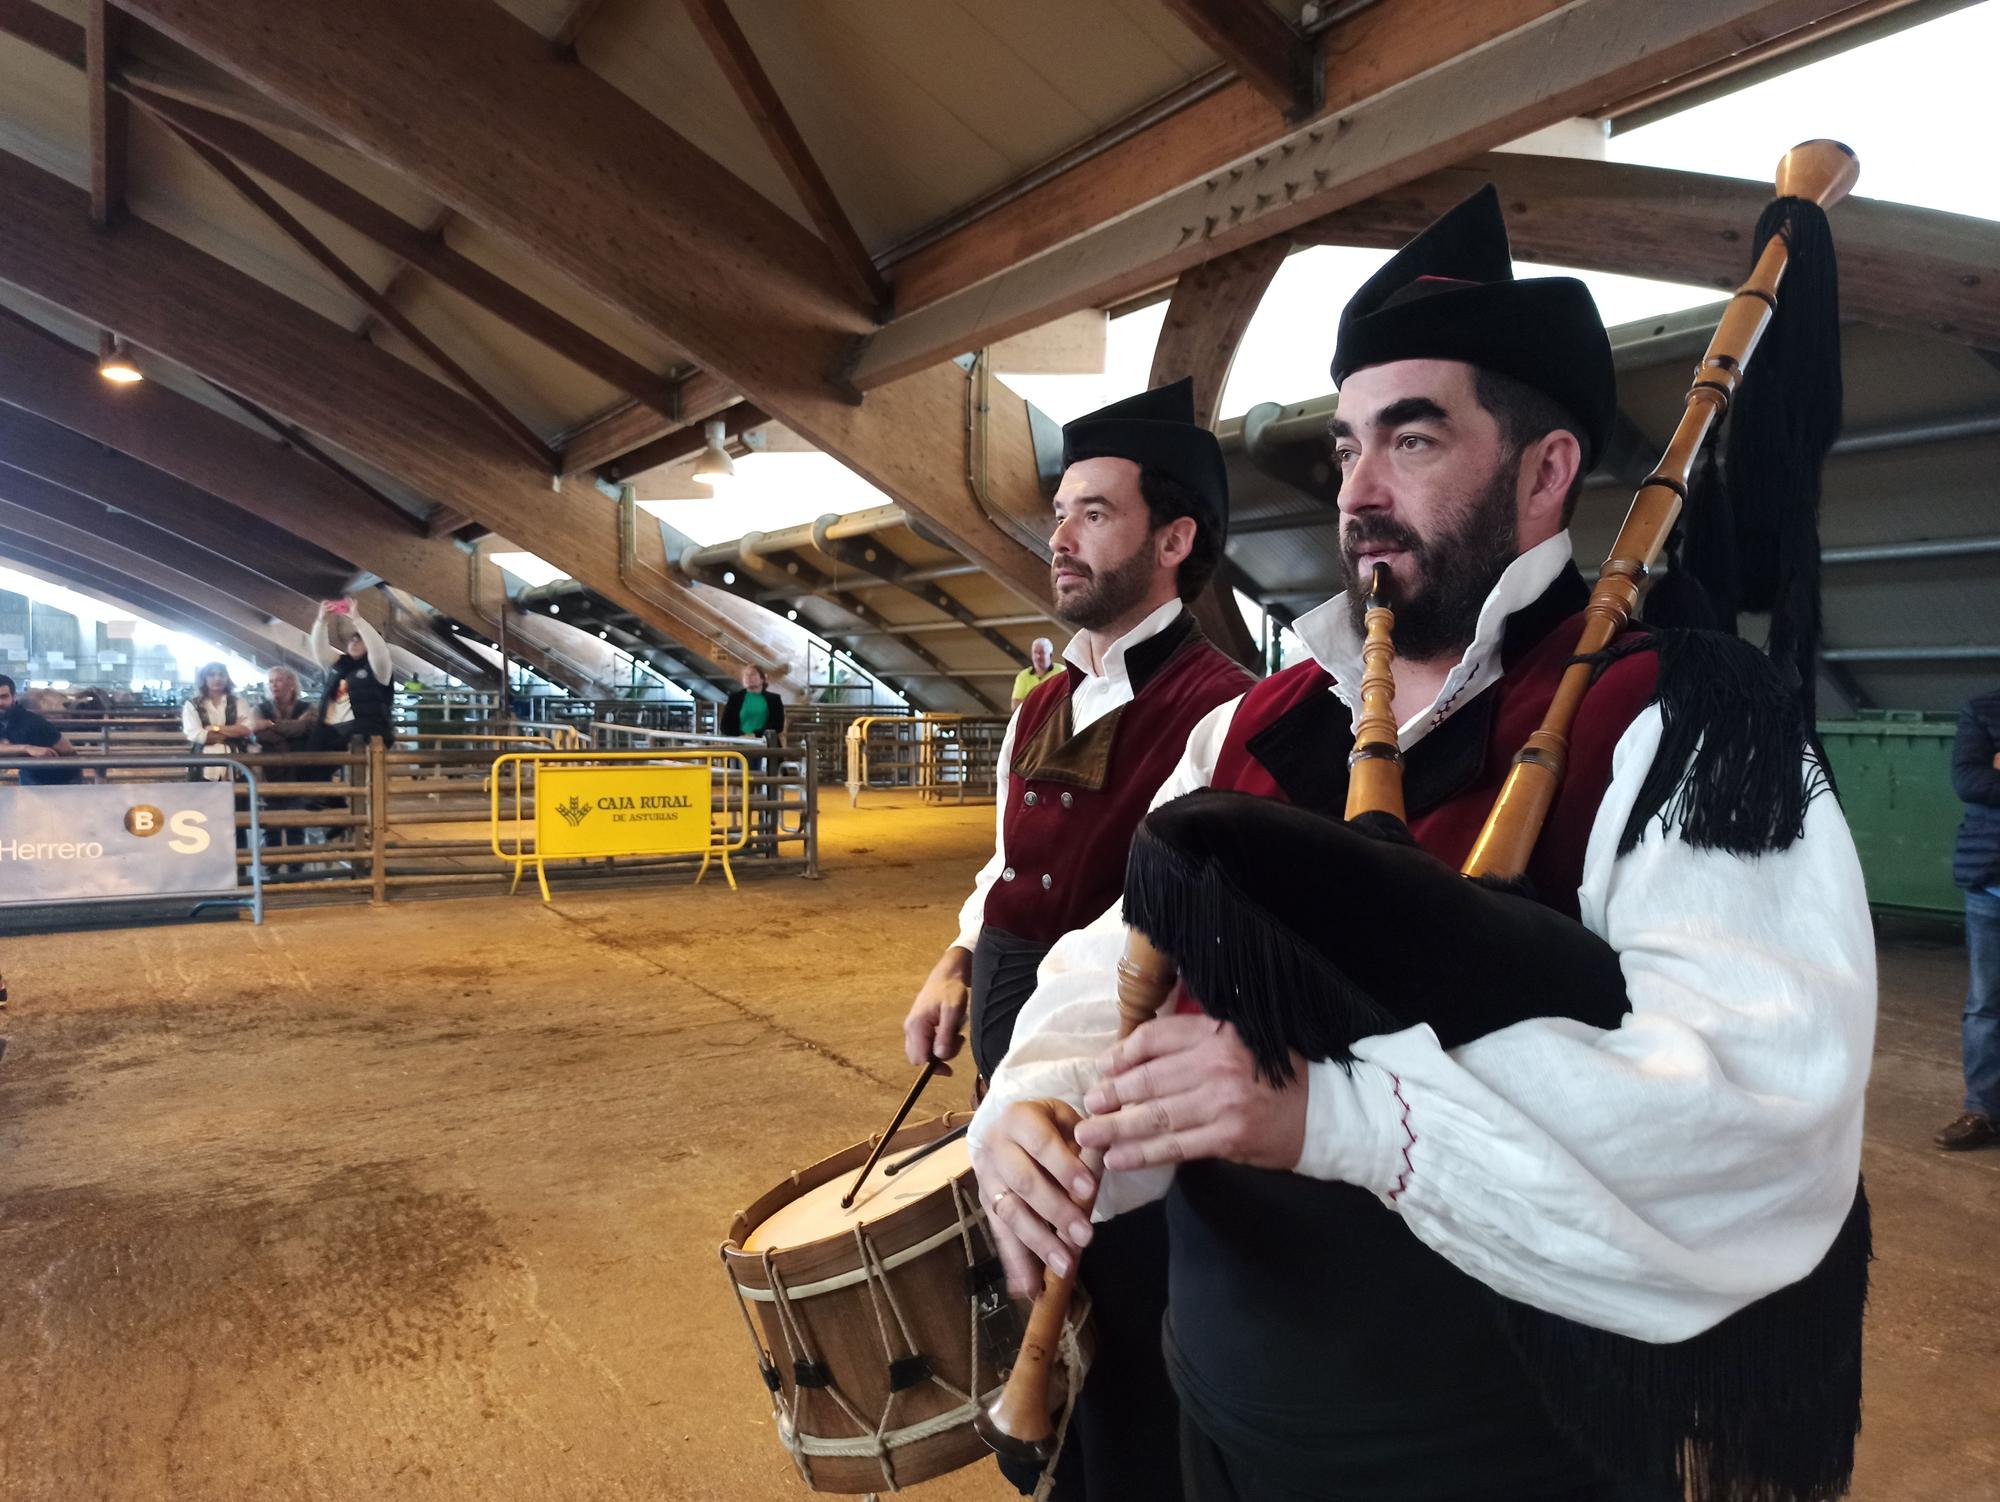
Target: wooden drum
x,y
880,1330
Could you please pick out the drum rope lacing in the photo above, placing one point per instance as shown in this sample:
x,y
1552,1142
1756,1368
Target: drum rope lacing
x,y
878,1442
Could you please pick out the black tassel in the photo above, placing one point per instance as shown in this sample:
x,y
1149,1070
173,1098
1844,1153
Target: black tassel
x,y
1737,766
1762,1408
1783,420
1698,592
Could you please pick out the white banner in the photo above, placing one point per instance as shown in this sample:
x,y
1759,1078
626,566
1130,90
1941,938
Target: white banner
x,y
121,839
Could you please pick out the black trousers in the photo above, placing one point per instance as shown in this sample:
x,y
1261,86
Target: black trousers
x,y
1003,978
1211,1474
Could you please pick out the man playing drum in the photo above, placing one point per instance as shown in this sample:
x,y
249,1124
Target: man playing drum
x,y
1141,516
1530,1255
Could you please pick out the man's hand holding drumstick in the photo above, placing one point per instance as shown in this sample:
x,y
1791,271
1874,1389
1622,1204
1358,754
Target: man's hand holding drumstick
x,y
1178,1089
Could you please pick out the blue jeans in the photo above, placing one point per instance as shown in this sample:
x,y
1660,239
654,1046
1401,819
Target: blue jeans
x,y
1982,1004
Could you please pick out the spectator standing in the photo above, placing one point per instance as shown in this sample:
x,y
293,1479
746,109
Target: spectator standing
x,y
25,733
1042,654
360,695
214,722
753,710
1975,777
285,723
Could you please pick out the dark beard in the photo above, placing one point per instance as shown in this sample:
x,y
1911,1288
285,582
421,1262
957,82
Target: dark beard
x,y
1456,570
1107,595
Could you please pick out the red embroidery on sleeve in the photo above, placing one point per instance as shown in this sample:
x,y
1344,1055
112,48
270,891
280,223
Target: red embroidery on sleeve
x,y
1410,1137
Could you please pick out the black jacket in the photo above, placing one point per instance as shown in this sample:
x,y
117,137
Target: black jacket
x,y
372,700
1976,865
732,713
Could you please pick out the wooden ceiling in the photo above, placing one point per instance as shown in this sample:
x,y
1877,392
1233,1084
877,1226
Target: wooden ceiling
x,y
432,270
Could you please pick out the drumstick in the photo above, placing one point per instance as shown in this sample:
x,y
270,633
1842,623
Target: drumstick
x,y
890,1170
930,1068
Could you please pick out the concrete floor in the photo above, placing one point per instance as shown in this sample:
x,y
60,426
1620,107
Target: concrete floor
x,y
423,1202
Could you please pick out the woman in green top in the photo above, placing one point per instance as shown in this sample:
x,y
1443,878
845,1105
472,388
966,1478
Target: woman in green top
x,y
753,709
1042,654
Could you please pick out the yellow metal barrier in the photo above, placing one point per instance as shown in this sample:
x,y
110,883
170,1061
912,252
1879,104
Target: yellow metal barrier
x,y
593,804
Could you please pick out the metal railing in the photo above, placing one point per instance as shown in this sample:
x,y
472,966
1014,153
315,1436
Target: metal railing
x,y
785,788
375,821
939,757
516,832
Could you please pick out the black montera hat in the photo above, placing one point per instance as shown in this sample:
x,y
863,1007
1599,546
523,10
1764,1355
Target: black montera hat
x,y
1450,294
1156,429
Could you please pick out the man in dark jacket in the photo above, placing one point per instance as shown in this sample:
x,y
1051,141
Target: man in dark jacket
x,y
25,733
1975,777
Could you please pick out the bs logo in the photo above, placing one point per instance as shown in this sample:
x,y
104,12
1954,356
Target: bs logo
x,y
190,829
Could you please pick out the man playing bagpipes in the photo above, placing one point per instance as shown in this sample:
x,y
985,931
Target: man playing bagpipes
x,y
1544,1188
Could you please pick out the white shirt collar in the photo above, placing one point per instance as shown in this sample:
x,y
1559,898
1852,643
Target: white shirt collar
x,y
1111,663
1110,686
1329,634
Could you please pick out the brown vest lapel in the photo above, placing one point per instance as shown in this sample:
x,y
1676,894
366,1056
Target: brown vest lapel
x,y
1053,754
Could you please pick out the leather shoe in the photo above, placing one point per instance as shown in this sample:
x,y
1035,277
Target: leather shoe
x,y
1973,1129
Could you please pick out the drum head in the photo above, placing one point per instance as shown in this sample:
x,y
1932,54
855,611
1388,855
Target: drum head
x,y
816,1215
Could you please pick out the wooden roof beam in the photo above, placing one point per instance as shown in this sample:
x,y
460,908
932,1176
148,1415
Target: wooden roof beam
x,y
1388,43
72,553
584,180
1537,74
187,469
292,436
766,109
108,125
273,598
571,27
358,287
428,252
736,421
165,295
629,426
1900,267
1207,317
1272,57
197,113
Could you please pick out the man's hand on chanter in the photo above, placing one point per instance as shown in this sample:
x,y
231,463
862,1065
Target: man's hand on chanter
x,y
1037,1191
1186,1087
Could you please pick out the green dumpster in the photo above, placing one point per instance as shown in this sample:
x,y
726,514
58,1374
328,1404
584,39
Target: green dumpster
x,y
1894,771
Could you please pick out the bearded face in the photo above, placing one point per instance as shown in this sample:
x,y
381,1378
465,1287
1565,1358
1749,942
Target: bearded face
x,y
1450,567
1089,598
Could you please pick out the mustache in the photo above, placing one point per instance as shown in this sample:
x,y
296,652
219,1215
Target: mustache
x,y
1073,563
1368,534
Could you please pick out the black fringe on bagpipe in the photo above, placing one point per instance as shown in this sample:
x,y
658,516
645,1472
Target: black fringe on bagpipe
x,y
1748,540
1738,765
1765,1407
1244,966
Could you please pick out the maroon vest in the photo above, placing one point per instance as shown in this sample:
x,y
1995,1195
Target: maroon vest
x,y
1074,798
1291,736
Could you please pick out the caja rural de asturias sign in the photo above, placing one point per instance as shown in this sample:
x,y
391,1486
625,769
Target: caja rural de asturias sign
x,y
631,810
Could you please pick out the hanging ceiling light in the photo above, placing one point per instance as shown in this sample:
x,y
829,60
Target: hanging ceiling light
x,y
714,468
113,363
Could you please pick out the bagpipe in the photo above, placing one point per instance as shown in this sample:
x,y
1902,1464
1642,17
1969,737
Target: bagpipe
x,y
1216,905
